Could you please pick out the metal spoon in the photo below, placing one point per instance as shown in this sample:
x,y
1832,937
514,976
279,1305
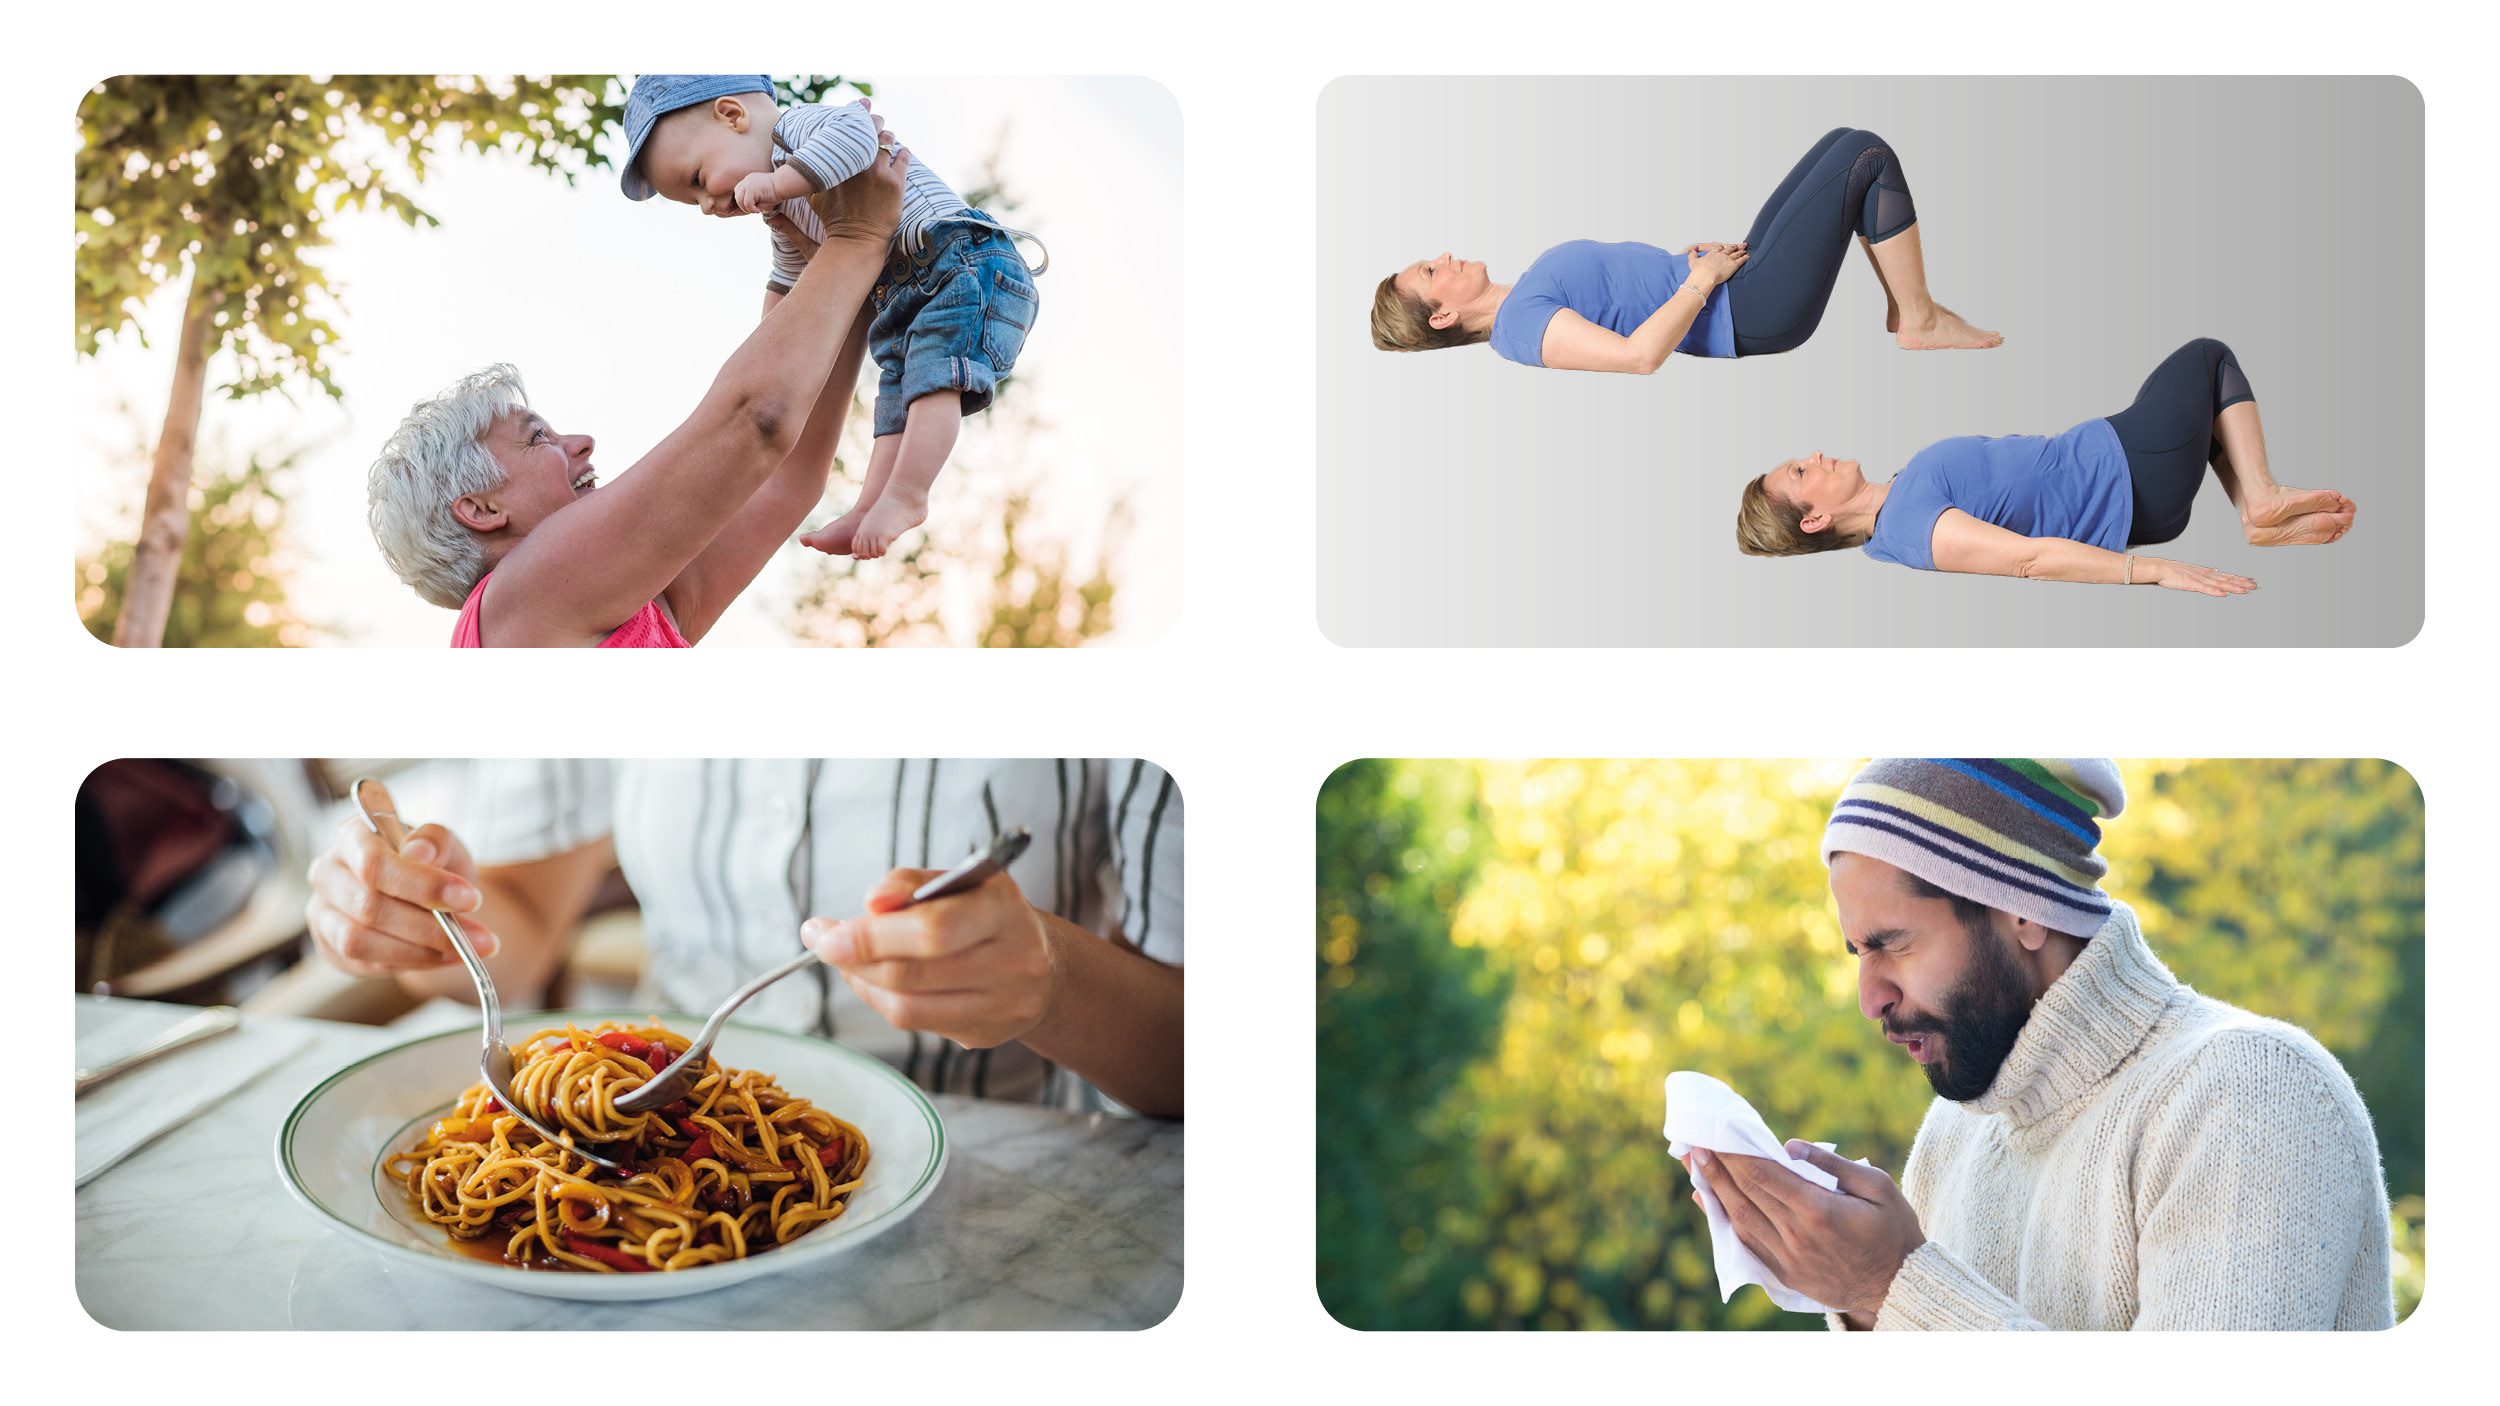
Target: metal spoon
x,y
670,1083
495,1063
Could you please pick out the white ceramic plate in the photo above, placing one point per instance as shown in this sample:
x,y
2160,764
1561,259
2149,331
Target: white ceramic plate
x,y
331,1150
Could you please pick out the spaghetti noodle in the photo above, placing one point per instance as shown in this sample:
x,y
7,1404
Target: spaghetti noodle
x,y
734,1168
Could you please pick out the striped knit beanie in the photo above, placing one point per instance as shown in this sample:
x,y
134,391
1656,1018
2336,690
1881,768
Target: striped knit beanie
x,y
2014,833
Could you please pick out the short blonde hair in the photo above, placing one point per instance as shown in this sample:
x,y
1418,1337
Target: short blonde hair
x,y
437,454
1768,525
1401,323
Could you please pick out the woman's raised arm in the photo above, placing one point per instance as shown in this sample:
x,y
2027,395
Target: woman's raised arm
x,y
716,577
588,568
1964,543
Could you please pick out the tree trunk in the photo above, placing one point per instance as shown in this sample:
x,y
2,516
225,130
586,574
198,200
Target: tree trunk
x,y
148,596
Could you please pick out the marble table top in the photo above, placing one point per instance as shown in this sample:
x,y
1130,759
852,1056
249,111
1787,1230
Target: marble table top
x,y
1043,1220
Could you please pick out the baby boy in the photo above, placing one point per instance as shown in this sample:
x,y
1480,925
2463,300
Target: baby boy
x,y
950,311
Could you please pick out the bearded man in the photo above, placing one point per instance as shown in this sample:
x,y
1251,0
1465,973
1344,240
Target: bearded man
x,y
2107,1148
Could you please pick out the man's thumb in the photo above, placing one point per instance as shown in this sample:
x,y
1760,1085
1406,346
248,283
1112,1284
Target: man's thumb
x,y
1841,1168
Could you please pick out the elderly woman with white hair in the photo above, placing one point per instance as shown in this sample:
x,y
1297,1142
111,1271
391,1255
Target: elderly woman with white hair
x,y
481,506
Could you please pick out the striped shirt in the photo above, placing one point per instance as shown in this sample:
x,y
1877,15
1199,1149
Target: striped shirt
x,y
830,143
727,857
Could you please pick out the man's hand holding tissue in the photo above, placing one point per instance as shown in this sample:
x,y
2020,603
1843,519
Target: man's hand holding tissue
x,y
1840,1247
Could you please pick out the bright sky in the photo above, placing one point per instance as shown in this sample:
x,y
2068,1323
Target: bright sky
x,y
618,316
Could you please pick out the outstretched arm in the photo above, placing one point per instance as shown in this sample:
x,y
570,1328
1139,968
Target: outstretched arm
x,y
587,569
1964,543
703,591
1573,343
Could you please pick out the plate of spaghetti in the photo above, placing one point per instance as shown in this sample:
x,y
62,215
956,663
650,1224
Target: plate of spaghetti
x,y
751,1172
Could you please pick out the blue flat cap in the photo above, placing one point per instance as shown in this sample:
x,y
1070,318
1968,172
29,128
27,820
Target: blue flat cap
x,y
656,95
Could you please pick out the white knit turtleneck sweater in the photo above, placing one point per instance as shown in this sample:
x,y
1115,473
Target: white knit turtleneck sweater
x,y
2147,1158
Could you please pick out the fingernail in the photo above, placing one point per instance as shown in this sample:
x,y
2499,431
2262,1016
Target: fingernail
x,y
422,851
459,897
1795,1148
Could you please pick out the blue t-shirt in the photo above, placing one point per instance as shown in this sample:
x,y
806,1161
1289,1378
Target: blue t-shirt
x,y
2073,485
1616,286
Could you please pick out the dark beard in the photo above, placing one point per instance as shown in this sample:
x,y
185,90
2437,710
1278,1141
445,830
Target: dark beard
x,y
1981,1019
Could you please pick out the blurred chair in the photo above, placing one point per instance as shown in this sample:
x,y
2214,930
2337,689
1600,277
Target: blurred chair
x,y
189,875
192,888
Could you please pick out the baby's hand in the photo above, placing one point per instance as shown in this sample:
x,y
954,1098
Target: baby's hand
x,y
755,193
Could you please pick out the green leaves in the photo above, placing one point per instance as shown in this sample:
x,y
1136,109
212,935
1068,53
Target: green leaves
x,y
230,589
818,88
230,180
1405,1205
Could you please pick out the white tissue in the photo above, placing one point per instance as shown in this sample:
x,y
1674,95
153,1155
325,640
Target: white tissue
x,y
1703,1112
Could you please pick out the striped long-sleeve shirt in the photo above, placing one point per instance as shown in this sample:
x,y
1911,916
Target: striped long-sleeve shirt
x,y
830,143
727,857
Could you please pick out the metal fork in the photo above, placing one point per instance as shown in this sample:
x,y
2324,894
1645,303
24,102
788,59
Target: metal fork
x,y
669,1083
495,1063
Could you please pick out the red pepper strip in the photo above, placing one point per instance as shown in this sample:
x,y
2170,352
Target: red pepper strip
x,y
687,1126
658,1058
830,1155
629,1044
494,1105
592,1249
702,1147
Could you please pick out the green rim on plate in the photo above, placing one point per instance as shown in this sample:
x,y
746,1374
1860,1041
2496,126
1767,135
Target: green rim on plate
x,y
298,1184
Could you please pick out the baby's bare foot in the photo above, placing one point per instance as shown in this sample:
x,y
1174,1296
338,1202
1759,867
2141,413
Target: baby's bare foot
x,y
2273,508
834,538
1943,332
891,517
2304,530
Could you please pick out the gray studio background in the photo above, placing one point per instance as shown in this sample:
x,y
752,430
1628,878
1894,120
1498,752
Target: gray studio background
x,y
2097,223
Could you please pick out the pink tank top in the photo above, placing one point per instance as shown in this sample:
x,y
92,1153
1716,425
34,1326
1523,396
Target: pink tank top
x,y
648,629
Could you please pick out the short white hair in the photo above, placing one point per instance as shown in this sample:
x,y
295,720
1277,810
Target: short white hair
x,y
436,455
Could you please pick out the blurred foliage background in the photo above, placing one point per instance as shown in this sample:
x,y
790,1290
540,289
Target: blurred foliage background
x,y
1514,955
232,582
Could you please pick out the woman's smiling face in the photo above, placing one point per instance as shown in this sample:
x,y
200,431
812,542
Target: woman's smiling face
x,y
1439,283
543,470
